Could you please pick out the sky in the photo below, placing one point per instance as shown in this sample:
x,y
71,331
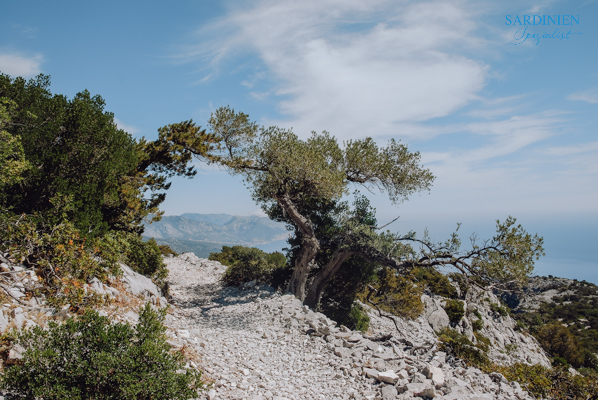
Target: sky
x,y
503,111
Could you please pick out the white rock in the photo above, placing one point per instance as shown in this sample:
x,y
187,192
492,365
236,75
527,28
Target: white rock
x,y
435,374
211,394
137,283
389,393
388,377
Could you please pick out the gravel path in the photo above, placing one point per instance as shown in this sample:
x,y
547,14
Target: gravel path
x,y
252,343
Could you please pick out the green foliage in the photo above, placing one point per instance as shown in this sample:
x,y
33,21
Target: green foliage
x,y
436,282
509,256
558,341
455,311
476,312
65,259
166,250
74,148
483,342
53,146
145,258
542,382
62,257
358,319
590,360
12,157
498,309
246,264
89,357
396,294
477,325
459,346
511,347
577,307
461,280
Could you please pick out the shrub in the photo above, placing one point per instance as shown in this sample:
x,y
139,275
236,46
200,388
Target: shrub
x,y
502,311
145,258
542,382
461,281
590,360
62,257
358,319
455,311
459,346
477,325
90,358
511,348
396,294
166,250
483,343
247,264
436,282
558,341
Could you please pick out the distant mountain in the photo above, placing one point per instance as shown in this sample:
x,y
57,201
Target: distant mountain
x,y
218,219
205,232
200,249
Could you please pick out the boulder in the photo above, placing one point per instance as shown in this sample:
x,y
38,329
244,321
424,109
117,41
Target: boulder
x,y
137,283
435,374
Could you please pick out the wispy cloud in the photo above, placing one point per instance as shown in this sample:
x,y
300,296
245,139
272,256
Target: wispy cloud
x,y
382,63
589,96
15,64
126,127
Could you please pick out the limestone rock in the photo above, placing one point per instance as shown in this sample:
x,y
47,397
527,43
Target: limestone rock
x,y
388,377
435,374
389,393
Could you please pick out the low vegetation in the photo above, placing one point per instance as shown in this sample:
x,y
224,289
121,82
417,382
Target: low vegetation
x,y
566,327
246,264
88,357
455,311
539,381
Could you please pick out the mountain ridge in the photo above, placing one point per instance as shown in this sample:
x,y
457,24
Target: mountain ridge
x,y
217,228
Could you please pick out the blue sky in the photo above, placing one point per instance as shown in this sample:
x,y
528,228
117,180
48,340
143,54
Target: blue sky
x,y
508,126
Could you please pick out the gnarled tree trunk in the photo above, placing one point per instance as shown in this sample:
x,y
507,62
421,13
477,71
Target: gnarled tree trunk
x,y
310,247
316,287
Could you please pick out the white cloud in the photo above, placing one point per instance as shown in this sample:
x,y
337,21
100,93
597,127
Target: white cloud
x,y
590,96
383,63
571,150
126,127
18,65
394,69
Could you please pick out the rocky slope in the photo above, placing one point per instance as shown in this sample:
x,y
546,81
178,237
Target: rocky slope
x,y
254,343
257,344
508,346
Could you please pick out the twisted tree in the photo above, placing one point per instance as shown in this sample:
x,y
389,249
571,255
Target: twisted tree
x,y
302,182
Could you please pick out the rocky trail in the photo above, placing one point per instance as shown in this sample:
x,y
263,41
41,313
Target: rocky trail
x,y
256,344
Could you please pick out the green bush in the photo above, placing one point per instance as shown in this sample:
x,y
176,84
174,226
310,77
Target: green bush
x,y
558,341
166,250
502,311
477,325
247,264
542,382
358,319
455,311
89,358
436,282
459,346
62,257
146,258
